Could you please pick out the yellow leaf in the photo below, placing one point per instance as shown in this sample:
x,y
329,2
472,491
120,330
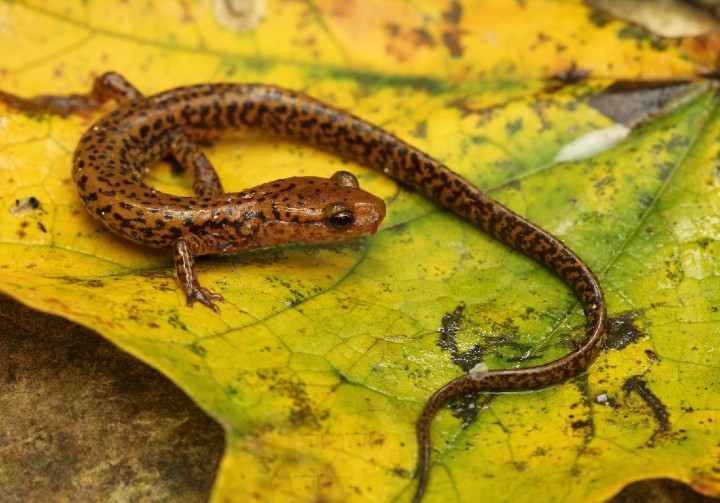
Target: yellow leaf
x,y
324,355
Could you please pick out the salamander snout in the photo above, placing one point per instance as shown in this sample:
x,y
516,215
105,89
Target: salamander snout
x,y
373,213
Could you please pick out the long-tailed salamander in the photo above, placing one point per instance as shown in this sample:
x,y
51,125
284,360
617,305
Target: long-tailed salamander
x,y
110,157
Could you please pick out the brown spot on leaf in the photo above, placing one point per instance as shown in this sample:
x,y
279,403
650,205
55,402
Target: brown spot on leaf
x,y
637,385
451,31
623,330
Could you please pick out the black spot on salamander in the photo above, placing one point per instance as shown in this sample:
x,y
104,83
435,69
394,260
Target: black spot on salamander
x,y
436,191
230,111
126,206
187,112
308,123
91,197
159,224
247,107
102,211
254,214
82,182
157,124
144,131
217,118
415,161
275,212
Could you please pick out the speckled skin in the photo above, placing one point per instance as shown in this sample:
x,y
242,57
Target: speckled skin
x,y
112,154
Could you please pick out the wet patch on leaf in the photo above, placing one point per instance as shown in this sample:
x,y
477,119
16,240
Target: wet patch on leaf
x,y
467,407
449,328
637,385
623,330
301,412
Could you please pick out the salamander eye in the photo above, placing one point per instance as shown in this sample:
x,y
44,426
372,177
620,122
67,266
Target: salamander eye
x,y
339,215
345,179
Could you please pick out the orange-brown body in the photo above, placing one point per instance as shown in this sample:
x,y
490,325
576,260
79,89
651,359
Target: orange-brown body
x,y
110,156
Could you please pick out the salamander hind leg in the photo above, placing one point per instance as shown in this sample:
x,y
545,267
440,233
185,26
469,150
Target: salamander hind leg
x,y
113,86
191,158
63,106
107,86
187,277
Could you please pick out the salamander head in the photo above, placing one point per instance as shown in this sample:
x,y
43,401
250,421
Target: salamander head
x,y
316,210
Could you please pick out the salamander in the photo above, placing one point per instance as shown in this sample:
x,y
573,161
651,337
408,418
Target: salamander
x,y
111,156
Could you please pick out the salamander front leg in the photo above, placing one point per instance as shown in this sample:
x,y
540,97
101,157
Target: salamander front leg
x,y
187,277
